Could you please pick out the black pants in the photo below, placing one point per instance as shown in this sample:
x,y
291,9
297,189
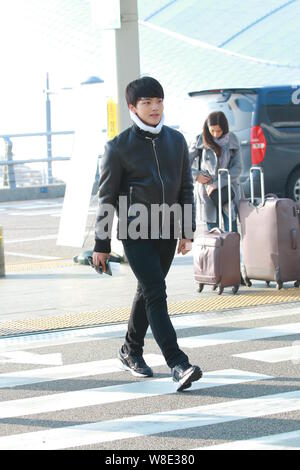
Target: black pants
x,y
150,261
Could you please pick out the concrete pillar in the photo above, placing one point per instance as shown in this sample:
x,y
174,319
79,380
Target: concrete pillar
x,y
127,56
2,263
122,59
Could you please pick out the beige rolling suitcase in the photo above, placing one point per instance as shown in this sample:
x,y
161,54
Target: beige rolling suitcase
x,y
217,254
270,229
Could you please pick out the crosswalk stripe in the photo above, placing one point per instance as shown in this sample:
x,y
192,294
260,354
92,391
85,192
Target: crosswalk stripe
x,y
247,334
109,331
58,338
118,393
282,441
150,424
26,377
70,371
272,356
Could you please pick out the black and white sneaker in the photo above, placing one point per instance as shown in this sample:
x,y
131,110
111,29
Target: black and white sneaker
x,y
135,364
185,374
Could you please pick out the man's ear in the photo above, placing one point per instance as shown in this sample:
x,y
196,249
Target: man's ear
x,y
132,108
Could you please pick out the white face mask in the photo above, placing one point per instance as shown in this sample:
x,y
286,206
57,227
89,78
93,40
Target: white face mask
x,y
146,127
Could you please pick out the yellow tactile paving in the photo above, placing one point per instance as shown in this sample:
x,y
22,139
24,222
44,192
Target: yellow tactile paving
x,y
204,303
39,265
245,298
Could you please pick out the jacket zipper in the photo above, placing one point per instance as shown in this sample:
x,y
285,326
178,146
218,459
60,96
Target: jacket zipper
x,y
161,180
130,201
130,195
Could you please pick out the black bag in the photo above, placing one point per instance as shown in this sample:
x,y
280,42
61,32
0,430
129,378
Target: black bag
x,y
224,193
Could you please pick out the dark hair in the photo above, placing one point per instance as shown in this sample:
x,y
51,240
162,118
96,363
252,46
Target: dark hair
x,y
216,118
145,87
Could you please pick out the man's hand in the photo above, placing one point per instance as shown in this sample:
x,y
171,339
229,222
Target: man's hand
x,y
184,246
100,259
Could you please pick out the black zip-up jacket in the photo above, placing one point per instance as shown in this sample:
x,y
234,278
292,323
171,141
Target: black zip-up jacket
x,y
148,169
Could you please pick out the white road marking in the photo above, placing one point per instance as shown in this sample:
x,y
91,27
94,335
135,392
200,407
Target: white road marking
x,y
56,338
273,356
283,441
33,239
70,371
38,205
236,336
153,423
35,213
41,205
26,255
24,357
118,393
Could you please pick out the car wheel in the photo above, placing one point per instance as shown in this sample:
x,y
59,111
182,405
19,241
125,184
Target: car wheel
x,y
293,189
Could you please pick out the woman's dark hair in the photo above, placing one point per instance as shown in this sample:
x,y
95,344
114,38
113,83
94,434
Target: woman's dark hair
x,y
145,87
216,118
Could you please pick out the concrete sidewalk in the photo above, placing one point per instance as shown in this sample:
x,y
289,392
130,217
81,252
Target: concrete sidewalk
x,y
61,294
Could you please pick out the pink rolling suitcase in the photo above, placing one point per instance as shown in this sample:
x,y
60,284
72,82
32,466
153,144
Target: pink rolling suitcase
x,y
217,253
270,229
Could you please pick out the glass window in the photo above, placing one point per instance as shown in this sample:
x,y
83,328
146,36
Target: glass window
x,y
237,107
281,111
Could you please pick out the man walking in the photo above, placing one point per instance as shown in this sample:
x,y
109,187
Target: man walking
x,y
148,166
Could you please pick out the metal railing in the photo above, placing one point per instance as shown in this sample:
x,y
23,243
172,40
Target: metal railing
x,y
8,163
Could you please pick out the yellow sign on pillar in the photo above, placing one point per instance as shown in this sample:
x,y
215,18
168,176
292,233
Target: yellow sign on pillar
x,y
112,123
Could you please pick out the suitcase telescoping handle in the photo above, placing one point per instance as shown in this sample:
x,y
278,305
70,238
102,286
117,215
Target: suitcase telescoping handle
x,y
262,184
224,170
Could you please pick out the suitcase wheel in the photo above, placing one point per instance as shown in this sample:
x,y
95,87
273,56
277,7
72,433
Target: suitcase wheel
x,y
248,282
220,290
296,283
268,283
235,289
200,287
279,285
214,287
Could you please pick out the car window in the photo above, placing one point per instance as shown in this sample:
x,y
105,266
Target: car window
x,y
281,109
237,107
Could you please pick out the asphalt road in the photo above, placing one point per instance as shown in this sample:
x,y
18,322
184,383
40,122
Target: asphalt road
x,y
31,227
64,389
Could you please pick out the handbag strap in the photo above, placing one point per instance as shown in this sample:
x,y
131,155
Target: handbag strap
x,y
199,156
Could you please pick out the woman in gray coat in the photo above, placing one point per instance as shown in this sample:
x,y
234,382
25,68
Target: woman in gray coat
x,y
221,149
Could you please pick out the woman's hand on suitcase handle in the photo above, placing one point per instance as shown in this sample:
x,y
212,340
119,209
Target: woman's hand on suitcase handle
x,y
203,179
184,246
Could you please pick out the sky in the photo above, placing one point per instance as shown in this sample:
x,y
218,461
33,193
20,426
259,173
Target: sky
x,y
35,39
62,37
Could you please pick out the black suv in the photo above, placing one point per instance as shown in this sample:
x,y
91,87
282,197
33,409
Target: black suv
x,y
267,122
